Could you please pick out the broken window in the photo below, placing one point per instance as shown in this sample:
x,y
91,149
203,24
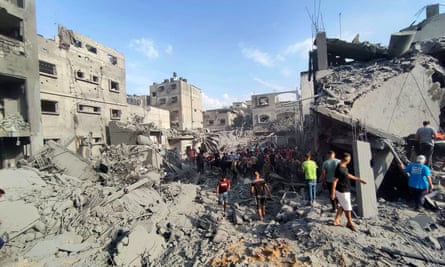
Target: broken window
x,y
153,94
211,122
112,59
264,118
49,107
161,88
114,86
175,115
81,108
173,86
263,101
47,68
162,101
80,74
116,114
173,99
97,140
11,26
95,79
222,122
77,43
91,49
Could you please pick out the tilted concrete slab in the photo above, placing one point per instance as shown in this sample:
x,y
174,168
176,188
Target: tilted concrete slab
x,y
17,216
19,178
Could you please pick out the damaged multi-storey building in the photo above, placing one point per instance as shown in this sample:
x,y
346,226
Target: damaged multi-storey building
x,y
20,128
274,118
358,91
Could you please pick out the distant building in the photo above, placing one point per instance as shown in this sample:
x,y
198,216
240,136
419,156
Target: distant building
x,y
219,119
182,99
20,128
266,108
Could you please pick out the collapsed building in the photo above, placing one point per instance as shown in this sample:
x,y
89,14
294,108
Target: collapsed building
x,y
358,91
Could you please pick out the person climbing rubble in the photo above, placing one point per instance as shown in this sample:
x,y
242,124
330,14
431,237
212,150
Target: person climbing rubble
x,y
341,190
310,174
425,136
222,192
261,189
419,181
327,175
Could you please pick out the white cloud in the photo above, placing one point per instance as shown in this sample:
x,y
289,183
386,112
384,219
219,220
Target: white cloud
x,y
300,48
145,46
271,85
258,56
214,103
169,49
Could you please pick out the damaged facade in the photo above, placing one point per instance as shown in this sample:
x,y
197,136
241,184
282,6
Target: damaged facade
x,y
20,129
360,91
182,99
219,119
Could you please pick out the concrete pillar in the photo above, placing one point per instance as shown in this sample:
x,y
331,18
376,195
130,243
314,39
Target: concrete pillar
x,y
322,51
366,193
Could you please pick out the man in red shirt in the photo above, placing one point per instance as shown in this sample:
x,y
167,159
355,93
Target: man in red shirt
x,y
222,192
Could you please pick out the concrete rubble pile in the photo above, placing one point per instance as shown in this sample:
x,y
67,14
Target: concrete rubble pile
x,y
51,218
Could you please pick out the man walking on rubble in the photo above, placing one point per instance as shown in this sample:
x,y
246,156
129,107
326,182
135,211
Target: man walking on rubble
x,y
310,174
261,189
425,136
419,180
341,189
222,192
327,175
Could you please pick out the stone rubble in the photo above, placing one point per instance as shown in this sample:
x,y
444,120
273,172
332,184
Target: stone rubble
x,y
138,219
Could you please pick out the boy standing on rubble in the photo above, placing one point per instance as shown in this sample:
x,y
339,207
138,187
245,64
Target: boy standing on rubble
x,y
419,181
341,190
222,192
261,189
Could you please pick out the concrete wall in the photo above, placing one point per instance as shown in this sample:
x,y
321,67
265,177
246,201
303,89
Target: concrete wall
x,y
19,81
85,90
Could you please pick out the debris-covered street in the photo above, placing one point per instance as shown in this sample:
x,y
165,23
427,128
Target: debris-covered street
x,y
93,176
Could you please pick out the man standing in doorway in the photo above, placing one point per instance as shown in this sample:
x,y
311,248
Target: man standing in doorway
x,y
327,174
425,136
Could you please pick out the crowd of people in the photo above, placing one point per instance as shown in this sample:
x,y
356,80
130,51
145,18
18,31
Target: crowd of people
x,y
257,163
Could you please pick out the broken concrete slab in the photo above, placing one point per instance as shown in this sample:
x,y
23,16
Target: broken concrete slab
x,y
17,216
139,247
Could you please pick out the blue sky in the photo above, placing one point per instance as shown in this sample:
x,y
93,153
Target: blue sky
x,y
230,49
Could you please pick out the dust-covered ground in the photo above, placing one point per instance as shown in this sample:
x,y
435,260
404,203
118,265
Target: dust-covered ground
x,y
51,219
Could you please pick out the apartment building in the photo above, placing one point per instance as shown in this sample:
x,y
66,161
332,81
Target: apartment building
x,y
182,99
20,129
82,85
219,119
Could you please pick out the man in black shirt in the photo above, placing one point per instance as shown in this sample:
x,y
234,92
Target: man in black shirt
x,y
341,189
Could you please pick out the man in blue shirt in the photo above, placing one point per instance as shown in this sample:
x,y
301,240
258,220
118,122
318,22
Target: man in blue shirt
x,y
419,180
